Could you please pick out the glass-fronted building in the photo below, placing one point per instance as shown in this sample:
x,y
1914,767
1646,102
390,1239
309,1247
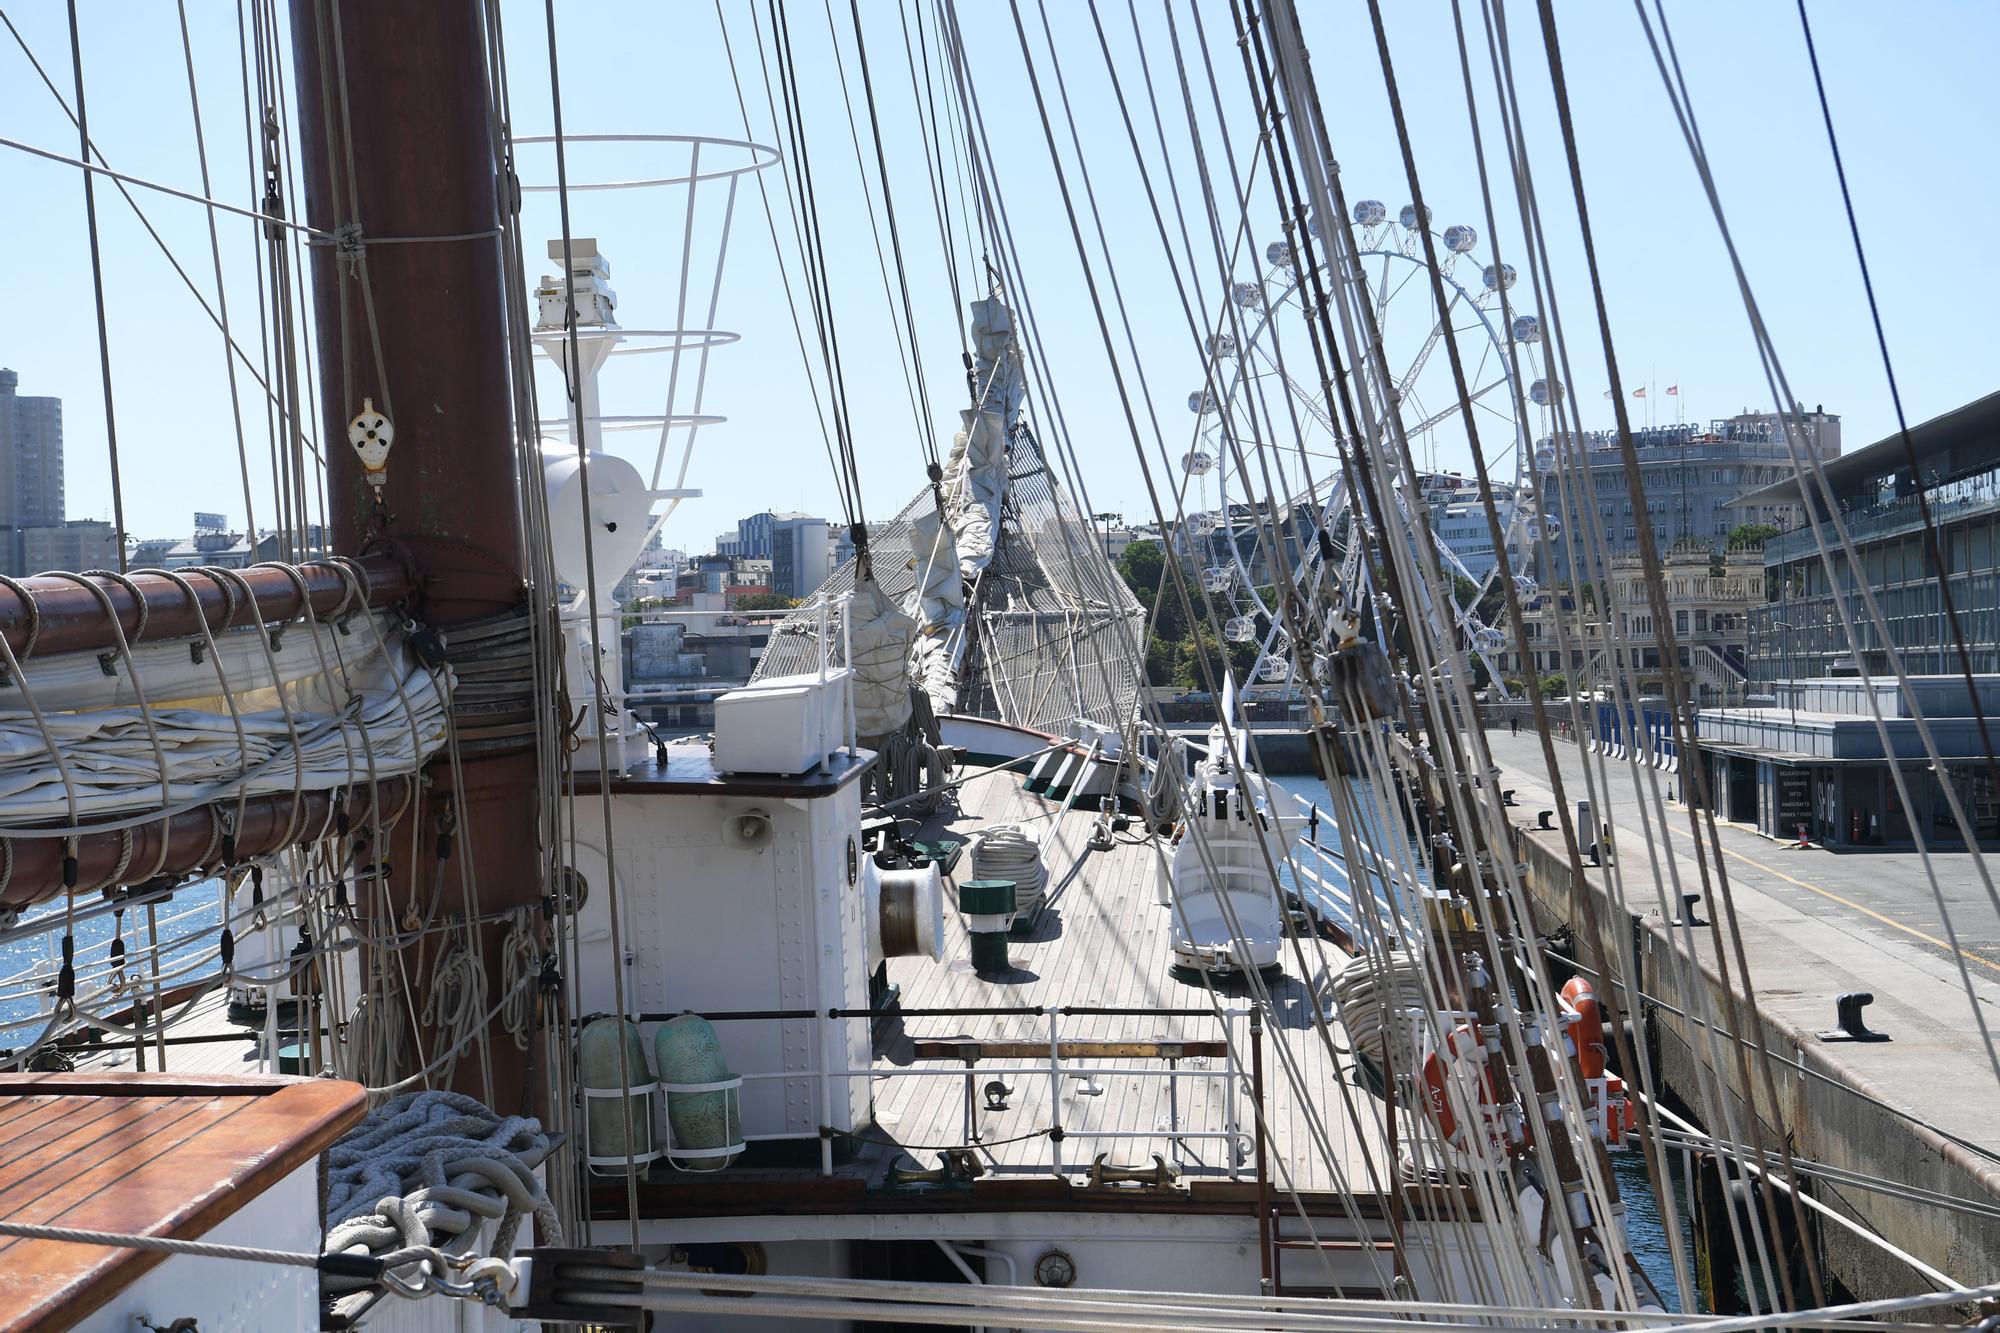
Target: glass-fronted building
x,y
1882,497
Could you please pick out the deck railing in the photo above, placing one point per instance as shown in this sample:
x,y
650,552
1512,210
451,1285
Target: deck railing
x,y
1053,1056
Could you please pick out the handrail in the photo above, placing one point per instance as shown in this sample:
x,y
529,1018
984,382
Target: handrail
x,y
1054,1058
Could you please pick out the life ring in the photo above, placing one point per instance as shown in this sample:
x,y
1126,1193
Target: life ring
x,y
1584,1018
1462,1045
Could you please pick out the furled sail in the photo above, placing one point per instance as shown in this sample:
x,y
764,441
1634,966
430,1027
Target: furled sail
x,y
1014,614
880,635
953,549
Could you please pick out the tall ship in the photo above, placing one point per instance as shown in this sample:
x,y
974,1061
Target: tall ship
x,y
378,964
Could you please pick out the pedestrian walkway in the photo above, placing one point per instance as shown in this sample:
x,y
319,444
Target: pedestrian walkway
x,y
1814,924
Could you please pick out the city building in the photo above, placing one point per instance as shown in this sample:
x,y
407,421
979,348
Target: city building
x,y
1458,519
81,543
679,659
31,470
756,535
151,552
1708,598
801,554
1812,760
216,545
1800,633
1694,481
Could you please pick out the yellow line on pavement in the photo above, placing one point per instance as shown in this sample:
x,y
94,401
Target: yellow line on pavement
x,y
1849,902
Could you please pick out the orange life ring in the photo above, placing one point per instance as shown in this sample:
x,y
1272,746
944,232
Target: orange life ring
x,y
1587,1029
1461,1044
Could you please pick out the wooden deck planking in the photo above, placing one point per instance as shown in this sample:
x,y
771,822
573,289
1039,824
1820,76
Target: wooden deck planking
x,y
160,1155
1107,944
239,1057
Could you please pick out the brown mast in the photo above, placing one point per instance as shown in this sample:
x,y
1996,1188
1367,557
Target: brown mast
x,y
397,140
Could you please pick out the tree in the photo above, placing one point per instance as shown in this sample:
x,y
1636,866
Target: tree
x,y
765,601
1140,564
1143,566
1555,687
1751,535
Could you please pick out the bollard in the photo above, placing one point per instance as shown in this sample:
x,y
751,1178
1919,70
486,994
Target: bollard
x,y
1687,916
1853,1027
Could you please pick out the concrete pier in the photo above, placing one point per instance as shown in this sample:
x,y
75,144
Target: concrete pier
x,y
1920,1109
1283,750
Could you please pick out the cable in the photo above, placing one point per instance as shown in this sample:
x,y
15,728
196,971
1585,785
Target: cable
x,y
97,285
1938,556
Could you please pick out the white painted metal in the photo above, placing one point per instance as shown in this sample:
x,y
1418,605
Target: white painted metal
x,y
787,724
717,923
225,1294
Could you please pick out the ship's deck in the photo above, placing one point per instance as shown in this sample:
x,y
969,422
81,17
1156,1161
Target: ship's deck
x,y
170,1155
1104,942
1100,955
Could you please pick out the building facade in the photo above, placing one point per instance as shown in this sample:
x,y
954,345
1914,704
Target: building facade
x,y
1692,478
1800,632
79,544
1708,598
1812,760
801,555
31,469
756,536
1458,519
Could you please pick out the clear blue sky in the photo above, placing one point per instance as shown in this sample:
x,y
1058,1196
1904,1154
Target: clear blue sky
x,y
1914,96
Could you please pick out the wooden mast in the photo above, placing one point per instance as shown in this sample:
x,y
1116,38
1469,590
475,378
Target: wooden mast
x,y
397,140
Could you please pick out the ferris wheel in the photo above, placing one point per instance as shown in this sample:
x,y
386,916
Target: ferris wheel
x,y
1265,386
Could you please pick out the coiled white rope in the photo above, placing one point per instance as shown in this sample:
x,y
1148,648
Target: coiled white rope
x,y
1011,851
1370,996
457,998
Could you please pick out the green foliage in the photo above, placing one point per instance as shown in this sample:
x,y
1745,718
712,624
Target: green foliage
x,y
1492,604
1143,566
1140,564
765,601
1751,534
1555,687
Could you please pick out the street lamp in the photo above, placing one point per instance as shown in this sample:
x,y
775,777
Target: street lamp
x,y
1790,694
1107,519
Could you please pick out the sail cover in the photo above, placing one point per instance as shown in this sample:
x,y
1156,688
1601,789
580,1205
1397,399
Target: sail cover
x,y
1051,635
881,636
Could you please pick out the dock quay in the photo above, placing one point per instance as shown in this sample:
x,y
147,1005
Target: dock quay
x,y
1283,749
1919,1109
